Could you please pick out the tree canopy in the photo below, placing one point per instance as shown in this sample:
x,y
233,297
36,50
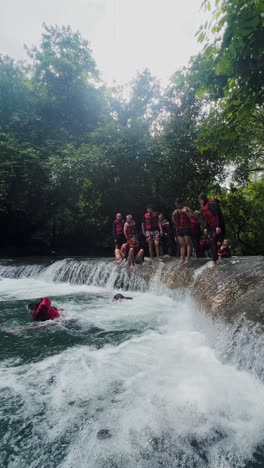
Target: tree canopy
x,y
74,152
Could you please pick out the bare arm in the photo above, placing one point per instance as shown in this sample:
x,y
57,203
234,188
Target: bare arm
x,y
125,231
188,211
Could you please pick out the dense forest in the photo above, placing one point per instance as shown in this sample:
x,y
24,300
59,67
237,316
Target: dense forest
x,y
74,151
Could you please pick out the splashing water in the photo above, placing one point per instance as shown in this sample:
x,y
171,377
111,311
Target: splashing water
x,y
145,383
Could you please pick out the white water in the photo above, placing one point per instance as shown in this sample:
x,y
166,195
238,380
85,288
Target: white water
x,y
165,394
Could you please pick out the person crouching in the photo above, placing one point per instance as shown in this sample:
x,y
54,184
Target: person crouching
x,y
134,253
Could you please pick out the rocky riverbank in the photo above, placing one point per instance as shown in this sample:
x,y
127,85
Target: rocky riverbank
x,y
235,288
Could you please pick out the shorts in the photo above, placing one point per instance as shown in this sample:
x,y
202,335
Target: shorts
x,y
120,240
152,235
182,232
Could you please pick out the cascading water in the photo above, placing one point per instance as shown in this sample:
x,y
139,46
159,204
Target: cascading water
x,y
146,383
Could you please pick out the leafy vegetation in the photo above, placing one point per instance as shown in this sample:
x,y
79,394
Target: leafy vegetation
x,y
74,152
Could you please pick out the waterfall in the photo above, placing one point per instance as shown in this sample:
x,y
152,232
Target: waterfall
x,y
102,273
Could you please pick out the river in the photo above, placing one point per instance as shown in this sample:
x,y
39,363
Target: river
x,y
147,383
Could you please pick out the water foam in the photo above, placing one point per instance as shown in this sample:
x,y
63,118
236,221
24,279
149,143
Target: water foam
x,y
173,393
163,396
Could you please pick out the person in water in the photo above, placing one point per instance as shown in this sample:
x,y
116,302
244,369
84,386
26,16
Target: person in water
x,y
118,231
119,297
129,227
181,218
215,223
43,310
152,230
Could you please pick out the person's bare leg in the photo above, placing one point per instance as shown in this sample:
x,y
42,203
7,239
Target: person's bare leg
x,y
139,256
131,258
150,246
182,248
213,249
157,248
119,256
188,243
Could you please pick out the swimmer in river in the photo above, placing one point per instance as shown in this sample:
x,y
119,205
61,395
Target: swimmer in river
x,y
119,297
41,311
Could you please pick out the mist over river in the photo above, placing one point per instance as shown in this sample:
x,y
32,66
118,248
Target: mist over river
x,y
147,383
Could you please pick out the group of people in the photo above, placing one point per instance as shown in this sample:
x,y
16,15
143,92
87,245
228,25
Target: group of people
x,y
185,231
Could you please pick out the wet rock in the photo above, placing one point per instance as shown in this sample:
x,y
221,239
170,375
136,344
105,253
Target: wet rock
x,y
233,289
104,434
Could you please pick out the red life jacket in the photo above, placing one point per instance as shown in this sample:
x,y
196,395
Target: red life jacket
x,y
45,311
182,221
130,229
151,221
119,227
224,251
134,244
209,216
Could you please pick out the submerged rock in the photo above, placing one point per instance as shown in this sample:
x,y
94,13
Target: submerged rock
x,y
104,434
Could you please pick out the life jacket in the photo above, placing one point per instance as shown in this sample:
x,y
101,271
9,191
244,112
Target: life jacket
x,y
151,221
45,311
130,229
209,216
224,251
119,227
134,244
124,248
182,221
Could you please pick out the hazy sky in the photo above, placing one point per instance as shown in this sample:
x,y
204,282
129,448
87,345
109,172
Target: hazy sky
x,y
126,36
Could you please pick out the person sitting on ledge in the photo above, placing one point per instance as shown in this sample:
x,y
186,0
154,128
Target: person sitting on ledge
x,y
133,252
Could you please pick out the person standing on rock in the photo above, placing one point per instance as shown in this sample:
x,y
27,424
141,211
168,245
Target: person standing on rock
x,y
181,218
152,230
129,228
215,223
118,231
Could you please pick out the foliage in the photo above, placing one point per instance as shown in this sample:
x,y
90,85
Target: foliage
x,y
244,215
73,152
